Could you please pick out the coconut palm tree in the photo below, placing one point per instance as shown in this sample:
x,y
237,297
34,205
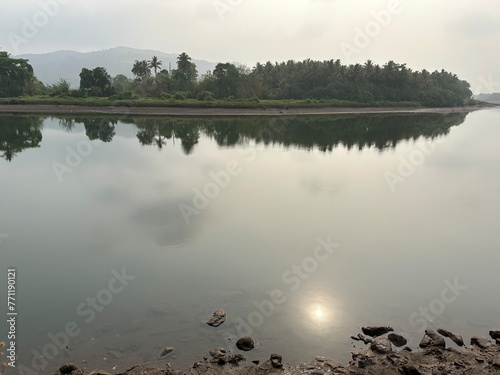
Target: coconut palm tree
x,y
141,69
155,64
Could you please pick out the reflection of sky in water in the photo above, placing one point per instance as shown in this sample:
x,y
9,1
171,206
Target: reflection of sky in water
x,y
120,208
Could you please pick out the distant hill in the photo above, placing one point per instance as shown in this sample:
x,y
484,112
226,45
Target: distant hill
x,y
490,98
50,67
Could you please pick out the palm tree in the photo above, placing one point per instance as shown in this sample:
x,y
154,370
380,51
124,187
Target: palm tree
x,y
183,62
141,69
155,64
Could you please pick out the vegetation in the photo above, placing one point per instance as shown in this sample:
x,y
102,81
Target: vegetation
x,y
16,76
308,82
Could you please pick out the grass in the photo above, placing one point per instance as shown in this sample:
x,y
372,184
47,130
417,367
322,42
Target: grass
x,y
193,103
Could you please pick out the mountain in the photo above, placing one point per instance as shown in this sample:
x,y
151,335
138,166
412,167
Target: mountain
x,y
50,67
490,98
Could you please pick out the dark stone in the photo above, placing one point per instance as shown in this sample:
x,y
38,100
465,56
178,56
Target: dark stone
x,y
256,362
376,331
381,346
245,343
218,317
457,339
495,334
407,349
397,340
67,368
411,370
431,339
276,360
482,342
166,350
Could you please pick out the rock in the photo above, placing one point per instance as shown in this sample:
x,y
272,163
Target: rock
x,y
457,339
67,368
245,343
495,334
218,317
431,338
376,331
256,362
381,346
166,350
276,360
397,340
217,353
411,370
482,342
328,362
364,339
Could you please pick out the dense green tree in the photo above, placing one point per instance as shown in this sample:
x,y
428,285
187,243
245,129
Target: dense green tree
x,y
96,82
122,83
226,80
184,77
16,76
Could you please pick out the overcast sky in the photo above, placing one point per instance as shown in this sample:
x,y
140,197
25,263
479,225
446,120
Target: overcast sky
x,y
461,36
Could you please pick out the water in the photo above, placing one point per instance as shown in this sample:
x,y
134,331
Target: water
x,y
199,214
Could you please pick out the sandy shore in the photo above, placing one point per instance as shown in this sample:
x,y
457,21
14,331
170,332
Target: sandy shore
x,y
171,111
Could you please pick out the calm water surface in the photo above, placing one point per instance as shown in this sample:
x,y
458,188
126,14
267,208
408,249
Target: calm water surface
x,y
200,214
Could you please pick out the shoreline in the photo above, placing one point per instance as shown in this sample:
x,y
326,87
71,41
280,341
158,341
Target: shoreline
x,y
224,112
381,357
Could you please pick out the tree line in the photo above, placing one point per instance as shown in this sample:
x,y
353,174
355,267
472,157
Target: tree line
x,y
292,80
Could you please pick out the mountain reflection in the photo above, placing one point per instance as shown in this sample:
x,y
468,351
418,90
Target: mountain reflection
x,y
380,131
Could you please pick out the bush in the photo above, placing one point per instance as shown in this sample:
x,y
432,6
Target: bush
x,y
125,95
180,95
205,96
254,99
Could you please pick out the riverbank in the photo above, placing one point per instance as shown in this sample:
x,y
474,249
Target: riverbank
x,y
179,111
482,356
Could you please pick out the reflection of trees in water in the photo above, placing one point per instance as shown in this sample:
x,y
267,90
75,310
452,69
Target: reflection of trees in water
x,y
322,133
313,132
102,128
157,131
18,133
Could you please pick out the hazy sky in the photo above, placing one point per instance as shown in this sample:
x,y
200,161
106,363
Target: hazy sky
x,y
461,36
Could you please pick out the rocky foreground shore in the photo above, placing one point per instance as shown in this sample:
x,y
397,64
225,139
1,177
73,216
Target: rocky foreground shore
x,y
382,356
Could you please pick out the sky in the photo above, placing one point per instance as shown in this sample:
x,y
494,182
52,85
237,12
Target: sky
x,y
460,36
